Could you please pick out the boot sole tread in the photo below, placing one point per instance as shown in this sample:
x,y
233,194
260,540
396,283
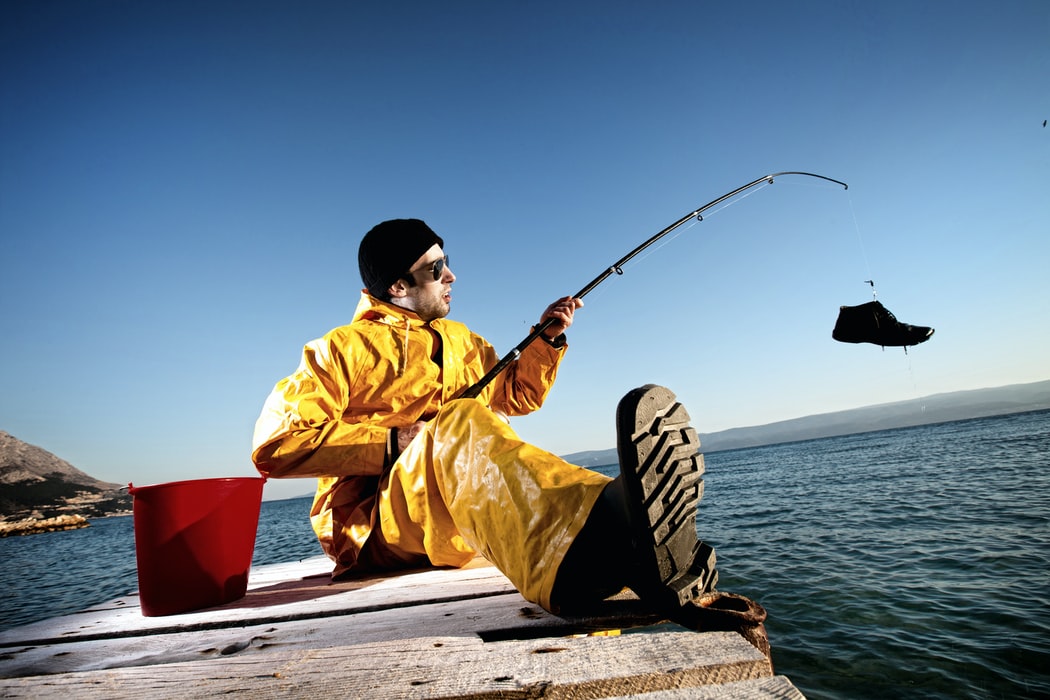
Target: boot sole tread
x,y
662,473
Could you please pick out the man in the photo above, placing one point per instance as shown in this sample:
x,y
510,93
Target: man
x,y
409,476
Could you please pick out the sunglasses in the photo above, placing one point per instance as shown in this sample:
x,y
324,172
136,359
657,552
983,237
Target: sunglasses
x,y
437,268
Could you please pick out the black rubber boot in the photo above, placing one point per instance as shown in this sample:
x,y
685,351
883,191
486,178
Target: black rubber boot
x,y
641,532
598,563
661,472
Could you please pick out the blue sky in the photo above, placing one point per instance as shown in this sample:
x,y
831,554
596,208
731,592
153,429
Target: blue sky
x,y
183,187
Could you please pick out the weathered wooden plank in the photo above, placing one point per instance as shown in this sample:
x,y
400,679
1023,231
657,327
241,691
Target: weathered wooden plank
x,y
436,667
775,688
454,618
305,597
269,574
493,618
297,632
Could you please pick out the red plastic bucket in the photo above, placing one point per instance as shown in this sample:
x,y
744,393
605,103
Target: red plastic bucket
x,y
194,542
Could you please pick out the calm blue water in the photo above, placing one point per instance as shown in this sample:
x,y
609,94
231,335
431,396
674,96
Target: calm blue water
x,y
902,563
57,573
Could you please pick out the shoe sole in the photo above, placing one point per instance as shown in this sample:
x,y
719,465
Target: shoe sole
x,y
662,471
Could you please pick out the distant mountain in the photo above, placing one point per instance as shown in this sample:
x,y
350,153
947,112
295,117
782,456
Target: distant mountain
x,y
938,408
35,483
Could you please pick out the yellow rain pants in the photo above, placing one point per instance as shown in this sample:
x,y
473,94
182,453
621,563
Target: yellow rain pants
x,y
466,484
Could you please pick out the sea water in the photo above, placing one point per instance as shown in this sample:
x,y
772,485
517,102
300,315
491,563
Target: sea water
x,y
910,563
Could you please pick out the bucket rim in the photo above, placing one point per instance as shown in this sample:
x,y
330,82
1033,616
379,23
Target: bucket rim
x,y
132,489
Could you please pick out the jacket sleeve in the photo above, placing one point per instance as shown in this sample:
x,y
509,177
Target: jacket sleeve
x,y
523,386
302,431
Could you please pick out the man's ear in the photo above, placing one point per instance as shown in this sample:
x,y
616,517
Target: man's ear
x,y
398,289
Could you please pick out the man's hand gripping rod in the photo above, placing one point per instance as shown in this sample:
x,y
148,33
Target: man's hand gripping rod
x,y
473,391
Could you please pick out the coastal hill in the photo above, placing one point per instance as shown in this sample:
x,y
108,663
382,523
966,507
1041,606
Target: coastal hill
x,y
938,408
36,484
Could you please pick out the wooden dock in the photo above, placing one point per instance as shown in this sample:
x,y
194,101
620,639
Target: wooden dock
x,y
438,633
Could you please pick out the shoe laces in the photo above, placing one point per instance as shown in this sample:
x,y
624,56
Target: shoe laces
x,y
884,314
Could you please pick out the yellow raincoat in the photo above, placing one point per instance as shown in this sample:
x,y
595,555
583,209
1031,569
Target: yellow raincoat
x,y
467,484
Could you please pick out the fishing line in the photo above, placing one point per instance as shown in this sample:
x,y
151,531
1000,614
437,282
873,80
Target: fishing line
x,y
726,205
645,257
860,242
915,384
699,219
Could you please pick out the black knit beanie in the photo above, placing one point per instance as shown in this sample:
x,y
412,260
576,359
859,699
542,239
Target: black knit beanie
x,y
389,250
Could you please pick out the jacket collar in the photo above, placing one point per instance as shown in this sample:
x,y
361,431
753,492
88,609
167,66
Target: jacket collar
x,y
371,309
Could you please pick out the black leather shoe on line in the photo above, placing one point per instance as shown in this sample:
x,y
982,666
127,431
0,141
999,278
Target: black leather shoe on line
x,y
661,471
873,323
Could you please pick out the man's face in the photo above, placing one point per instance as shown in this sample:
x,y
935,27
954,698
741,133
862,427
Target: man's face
x,y
429,298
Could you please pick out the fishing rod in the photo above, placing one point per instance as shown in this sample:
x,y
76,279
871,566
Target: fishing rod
x,y
617,268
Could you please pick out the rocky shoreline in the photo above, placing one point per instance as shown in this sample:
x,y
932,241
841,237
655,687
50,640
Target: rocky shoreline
x,y
33,526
